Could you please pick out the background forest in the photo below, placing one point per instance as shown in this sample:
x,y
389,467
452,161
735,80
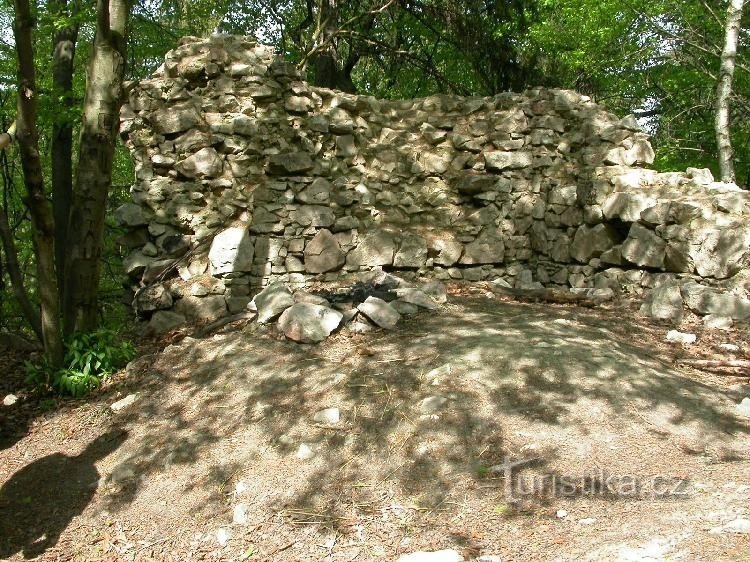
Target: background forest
x,y
659,60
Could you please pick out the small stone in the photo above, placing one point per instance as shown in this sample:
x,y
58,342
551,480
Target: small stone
x,y
206,163
222,536
717,322
730,347
239,515
674,336
740,526
404,308
380,312
743,408
490,558
305,452
448,555
561,514
432,404
328,415
435,375
359,327
587,521
10,399
417,297
121,405
240,488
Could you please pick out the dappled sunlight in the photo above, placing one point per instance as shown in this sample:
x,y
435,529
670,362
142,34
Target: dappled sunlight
x,y
421,421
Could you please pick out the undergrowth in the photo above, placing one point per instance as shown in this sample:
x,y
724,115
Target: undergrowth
x,y
89,360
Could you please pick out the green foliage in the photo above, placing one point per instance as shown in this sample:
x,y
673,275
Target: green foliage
x,y
89,360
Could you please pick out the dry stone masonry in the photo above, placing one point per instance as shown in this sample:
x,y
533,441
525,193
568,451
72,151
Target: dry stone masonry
x,y
246,176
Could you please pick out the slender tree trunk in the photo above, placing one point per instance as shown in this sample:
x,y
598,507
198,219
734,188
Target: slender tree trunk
x,y
101,109
42,220
30,313
63,55
724,91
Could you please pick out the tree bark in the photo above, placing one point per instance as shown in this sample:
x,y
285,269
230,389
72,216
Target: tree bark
x,y
724,91
101,108
42,221
63,57
328,70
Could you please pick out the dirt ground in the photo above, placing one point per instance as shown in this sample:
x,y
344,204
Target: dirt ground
x,y
623,454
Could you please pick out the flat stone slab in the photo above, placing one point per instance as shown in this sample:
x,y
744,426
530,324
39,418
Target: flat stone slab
x,y
380,312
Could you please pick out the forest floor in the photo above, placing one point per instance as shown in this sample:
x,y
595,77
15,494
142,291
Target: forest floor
x,y
624,453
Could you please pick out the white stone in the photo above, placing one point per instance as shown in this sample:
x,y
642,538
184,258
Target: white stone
x,y
239,515
271,302
231,251
675,336
309,323
327,415
717,322
121,405
380,312
223,536
10,399
740,526
447,555
416,297
305,452
743,408
432,404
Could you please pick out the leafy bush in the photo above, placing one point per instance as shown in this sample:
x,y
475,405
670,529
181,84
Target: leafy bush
x,y
89,359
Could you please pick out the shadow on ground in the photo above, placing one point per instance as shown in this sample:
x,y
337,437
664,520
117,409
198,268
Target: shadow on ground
x,y
39,501
519,381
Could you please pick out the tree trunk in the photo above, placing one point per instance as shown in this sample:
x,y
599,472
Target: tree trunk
x,y
101,109
328,70
724,91
16,277
42,220
63,55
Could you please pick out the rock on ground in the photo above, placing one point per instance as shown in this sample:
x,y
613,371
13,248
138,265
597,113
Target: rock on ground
x,y
309,323
380,312
448,555
271,302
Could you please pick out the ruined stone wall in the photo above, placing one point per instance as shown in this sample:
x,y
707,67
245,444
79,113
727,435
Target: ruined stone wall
x,y
245,174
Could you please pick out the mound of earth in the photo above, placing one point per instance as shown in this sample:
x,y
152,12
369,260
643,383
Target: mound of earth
x,y
519,431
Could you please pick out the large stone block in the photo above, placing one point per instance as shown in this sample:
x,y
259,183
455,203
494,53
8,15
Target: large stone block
x,y
497,161
592,242
412,252
323,253
643,247
206,163
290,164
488,247
309,323
376,248
232,250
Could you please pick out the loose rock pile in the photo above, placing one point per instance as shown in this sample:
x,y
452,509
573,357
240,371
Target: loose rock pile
x,y
247,176
306,317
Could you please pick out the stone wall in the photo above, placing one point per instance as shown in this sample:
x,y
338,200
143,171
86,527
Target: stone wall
x,y
245,174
